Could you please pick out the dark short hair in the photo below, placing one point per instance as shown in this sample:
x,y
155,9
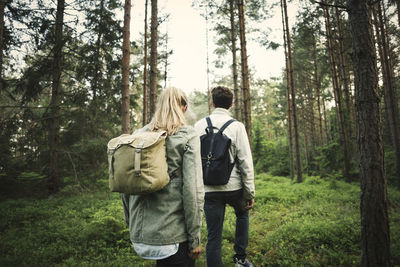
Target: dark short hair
x,y
222,97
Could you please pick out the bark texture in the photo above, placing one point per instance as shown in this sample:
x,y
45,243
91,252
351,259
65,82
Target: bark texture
x,y
290,134
146,118
338,95
234,65
245,70
293,96
2,7
389,91
125,68
374,204
54,181
153,57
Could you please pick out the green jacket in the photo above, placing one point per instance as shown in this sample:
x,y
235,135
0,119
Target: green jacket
x,y
173,214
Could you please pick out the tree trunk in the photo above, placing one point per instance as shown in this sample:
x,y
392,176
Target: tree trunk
x,y
398,11
293,97
290,135
2,7
305,136
325,123
54,181
335,85
343,73
390,96
317,91
234,67
125,68
166,60
209,101
153,57
97,65
342,60
310,99
245,71
146,118
374,204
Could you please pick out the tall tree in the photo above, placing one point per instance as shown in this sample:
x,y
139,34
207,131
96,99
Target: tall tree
x,y
317,88
234,65
153,57
342,60
374,203
245,70
390,96
289,113
208,64
2,7
125,68
54,181
166,59
145,71
97,56
292,95
338,95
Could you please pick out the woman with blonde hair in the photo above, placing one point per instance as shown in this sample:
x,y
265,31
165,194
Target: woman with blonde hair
x,y
165,225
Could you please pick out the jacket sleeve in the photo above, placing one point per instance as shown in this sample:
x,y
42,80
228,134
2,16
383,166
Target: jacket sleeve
x,y
245,160
193,189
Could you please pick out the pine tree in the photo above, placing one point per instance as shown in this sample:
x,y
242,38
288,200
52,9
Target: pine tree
x,y
125,68
145,71
374,203
293,95
153,57
245,70
54,181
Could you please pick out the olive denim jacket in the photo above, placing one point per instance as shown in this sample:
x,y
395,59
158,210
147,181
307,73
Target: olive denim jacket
x,y
173,214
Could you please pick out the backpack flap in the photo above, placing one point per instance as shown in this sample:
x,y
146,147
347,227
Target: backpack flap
x,y
142,141
137,140
219,148
137,163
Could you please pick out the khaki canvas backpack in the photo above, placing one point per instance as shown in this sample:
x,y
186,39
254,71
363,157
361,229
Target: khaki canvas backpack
x,y
138,163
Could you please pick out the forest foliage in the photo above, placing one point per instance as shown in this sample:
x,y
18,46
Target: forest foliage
x,y
313,104
316,223
90,104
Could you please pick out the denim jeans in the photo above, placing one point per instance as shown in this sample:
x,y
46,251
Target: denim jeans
x,y
179,259
214,208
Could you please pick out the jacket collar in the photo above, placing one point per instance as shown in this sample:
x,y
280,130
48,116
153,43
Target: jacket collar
x,y
221,111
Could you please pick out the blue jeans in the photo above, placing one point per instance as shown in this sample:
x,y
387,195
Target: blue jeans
x,y
214,208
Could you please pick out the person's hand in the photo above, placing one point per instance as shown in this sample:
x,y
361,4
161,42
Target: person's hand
x,y
250,204
195,253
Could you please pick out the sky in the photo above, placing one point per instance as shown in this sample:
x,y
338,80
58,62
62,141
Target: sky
x,y
187,38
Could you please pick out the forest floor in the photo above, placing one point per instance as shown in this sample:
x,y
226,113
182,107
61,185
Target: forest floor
x,y
316,223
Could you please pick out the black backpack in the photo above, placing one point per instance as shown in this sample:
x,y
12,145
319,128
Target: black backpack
x,y
215,158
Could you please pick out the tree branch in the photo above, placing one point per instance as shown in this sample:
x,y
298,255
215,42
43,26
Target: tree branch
x,y
329,5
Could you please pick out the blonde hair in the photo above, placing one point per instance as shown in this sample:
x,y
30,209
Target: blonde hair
x,y
169,115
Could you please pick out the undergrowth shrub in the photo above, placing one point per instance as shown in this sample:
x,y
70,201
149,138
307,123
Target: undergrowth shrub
x,y
291,224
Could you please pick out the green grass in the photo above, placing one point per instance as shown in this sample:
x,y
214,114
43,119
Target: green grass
x,y
316,223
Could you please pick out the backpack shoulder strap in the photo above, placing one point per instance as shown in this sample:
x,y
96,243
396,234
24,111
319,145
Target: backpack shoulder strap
x,y
226,125
210,128
209,122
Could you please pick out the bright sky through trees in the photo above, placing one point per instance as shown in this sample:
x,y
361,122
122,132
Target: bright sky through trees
x,y
187,33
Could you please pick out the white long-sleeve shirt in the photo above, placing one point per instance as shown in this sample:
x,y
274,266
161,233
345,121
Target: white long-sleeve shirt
x,y
242,175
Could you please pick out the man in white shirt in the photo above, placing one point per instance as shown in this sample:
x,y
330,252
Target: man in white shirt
x,y
239,192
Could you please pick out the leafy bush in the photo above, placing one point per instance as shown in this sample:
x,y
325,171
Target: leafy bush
x,y
274,159
308,224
